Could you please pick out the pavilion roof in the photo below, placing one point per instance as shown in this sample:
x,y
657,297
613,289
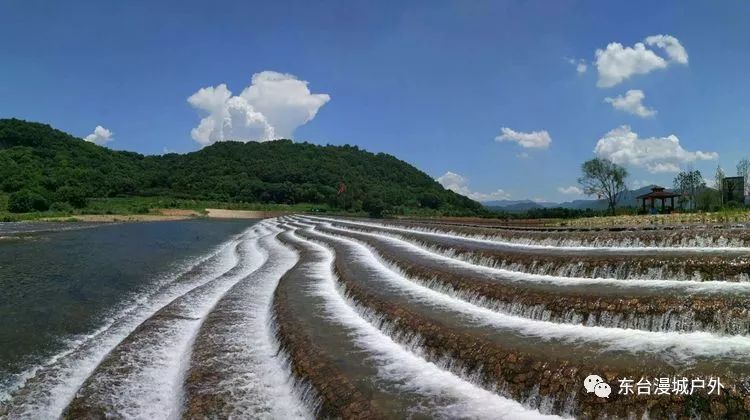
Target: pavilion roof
x,y
658,192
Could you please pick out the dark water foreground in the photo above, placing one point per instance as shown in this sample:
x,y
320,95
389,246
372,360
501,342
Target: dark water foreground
x,y
59,281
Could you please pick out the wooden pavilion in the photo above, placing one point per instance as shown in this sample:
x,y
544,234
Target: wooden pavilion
x,y
658,193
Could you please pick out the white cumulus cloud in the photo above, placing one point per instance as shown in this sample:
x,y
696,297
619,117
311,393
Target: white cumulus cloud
x,y
675,50
570,190
533,140
656,154
272,107
100,136
632,103
459,184
617,63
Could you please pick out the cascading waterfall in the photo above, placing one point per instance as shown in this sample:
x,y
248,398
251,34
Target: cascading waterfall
x,y
684,320
672,345
447,332
406,367
703,244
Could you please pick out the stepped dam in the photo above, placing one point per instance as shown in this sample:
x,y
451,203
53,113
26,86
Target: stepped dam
x,y
303,316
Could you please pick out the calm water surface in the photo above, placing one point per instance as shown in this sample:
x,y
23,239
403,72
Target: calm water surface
x,y
62,280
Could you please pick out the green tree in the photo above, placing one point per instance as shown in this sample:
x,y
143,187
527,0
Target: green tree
x,y
374,206
688,184
75,196
708,199
26,201
605,179
429,200
61,207
719,176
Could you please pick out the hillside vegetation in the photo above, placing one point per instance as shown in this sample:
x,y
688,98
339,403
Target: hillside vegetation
x,y
43,168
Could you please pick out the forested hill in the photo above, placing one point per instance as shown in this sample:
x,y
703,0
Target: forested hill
x,y
46,164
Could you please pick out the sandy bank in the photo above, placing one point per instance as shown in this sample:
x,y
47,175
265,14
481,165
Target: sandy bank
x,y
167,215
117,218
243,214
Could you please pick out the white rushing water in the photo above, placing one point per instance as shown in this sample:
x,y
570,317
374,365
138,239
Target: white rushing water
x,y
45,390
671,346
247,357
721,322
135,365
396,364
685,286
682,236
632,248
143,377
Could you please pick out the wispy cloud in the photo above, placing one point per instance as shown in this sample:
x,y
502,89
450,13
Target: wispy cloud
x,y
570,190
459,184
632,103
532,140
580,65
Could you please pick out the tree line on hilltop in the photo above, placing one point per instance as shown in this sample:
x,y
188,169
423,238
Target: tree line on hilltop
x,y
42,168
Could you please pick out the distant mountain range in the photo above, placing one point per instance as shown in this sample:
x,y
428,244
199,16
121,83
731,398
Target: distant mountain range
x,y
627,199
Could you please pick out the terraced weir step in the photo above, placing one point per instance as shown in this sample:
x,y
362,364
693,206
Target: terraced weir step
x,y
725,235
683,305
505,350
318,317
679,263
234,371
357,369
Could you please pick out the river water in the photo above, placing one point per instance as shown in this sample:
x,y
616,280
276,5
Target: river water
x,y
62,281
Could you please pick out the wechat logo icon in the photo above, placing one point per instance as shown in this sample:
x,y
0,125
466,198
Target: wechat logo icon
x,y
595,384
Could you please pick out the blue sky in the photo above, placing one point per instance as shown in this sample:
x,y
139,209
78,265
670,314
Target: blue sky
x,y
430,82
